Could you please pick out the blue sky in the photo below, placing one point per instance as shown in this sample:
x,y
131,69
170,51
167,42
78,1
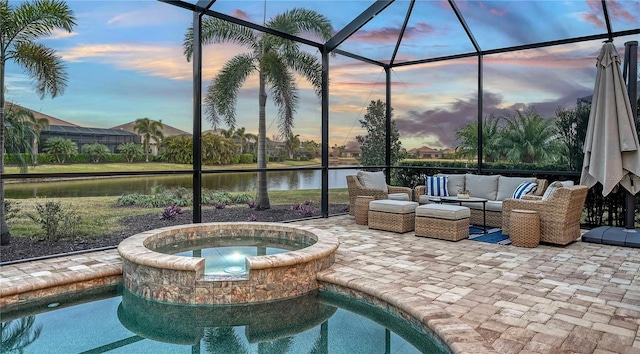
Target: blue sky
x,y
125,61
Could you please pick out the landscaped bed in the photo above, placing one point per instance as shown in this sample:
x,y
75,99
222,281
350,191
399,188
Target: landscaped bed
x,y
25,248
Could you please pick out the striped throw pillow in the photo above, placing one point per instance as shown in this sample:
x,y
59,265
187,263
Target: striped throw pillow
x,y
524,188
436,186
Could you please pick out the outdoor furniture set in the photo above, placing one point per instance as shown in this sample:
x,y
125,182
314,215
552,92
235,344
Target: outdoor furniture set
x,y
522,206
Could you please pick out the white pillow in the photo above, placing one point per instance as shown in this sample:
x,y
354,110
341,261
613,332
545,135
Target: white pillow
x,y
567,183
436,186
551,189
524,188
373,180
507,185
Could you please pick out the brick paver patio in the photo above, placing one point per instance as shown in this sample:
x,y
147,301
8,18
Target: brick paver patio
x,y
581,298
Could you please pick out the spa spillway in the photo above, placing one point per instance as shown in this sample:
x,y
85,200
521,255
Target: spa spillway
x,y
180,279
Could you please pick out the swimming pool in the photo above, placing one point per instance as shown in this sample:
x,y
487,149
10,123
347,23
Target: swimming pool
x,y
118,321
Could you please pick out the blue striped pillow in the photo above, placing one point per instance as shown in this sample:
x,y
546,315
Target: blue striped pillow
x,y
436,186
524,188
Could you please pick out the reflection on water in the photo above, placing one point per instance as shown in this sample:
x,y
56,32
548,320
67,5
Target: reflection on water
x,y
230,182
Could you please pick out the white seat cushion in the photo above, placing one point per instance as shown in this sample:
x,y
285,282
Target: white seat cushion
x,y
483,186
373,180
393,206
490,205
398,196
424,199
443,211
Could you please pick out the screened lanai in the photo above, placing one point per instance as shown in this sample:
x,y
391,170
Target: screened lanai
x,y
442,68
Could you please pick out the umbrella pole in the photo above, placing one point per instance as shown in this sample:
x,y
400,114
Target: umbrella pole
x,y
631,63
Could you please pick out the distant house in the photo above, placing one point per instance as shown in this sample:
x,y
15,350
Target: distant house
x,y
167,131
426,152
352,152
59,128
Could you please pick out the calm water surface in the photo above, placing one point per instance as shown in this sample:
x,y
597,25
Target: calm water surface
x,y
230,182
313,323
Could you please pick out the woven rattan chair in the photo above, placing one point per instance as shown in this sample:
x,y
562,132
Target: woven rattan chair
x,y
559,214
357,189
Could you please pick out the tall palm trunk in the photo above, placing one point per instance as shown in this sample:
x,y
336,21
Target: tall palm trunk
x,y
4,228
262,198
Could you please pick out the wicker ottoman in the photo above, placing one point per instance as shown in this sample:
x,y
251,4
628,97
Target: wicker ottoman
x,y
392,215
443,221
524,228
362,209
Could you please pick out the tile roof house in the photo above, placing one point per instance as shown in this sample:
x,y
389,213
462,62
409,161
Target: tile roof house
x,y
426,152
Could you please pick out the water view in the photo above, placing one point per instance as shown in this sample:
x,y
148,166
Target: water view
x,y
230,182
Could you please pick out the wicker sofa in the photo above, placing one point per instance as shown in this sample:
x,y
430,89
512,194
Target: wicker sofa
x,y
494,188
356,188
559,214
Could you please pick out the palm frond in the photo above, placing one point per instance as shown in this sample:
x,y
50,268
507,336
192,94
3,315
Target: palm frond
x,y
215,30
283,90
309,67
299,20
43,66
222,94
31,20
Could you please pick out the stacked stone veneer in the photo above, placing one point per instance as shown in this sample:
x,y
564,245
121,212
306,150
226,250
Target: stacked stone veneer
x,y
178,279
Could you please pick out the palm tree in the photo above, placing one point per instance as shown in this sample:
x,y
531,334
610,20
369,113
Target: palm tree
x,y
529,138
275,60
22,24
491,135
243,138
150,130
292,145
39,124
18,334
19,132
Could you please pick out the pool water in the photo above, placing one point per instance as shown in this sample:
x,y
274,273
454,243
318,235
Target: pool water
x,y
324,322
227,255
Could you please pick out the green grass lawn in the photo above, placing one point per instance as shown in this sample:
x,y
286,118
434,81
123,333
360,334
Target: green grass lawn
x,y
147,166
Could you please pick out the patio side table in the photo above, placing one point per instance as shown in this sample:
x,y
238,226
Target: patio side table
x,y
362,209
524,228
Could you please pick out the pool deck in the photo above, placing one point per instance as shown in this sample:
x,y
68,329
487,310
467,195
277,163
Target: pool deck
x,y
478,297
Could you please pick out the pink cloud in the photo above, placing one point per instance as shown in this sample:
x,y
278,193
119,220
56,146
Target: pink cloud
x,y
237,13
390,34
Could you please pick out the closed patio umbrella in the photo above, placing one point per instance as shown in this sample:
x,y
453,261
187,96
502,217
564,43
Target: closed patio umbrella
x,y
611,149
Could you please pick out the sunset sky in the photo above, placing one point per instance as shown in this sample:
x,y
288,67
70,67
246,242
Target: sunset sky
x,y
125,61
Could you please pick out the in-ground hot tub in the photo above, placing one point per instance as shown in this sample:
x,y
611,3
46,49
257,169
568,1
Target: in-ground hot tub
x,y
178,279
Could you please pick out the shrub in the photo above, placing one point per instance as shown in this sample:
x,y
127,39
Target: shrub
x,y
251,204
56,221
252,218
131,151
11,209
96,151
305,209
246,158
241,198
170,212
222,197
219,205
61,148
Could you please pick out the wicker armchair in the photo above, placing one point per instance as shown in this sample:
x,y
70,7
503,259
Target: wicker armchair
x,y
559,214
357,189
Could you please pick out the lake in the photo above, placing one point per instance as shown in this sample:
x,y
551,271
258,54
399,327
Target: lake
x,y
230,182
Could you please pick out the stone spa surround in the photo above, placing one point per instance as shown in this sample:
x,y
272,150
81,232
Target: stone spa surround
x,y
178,279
